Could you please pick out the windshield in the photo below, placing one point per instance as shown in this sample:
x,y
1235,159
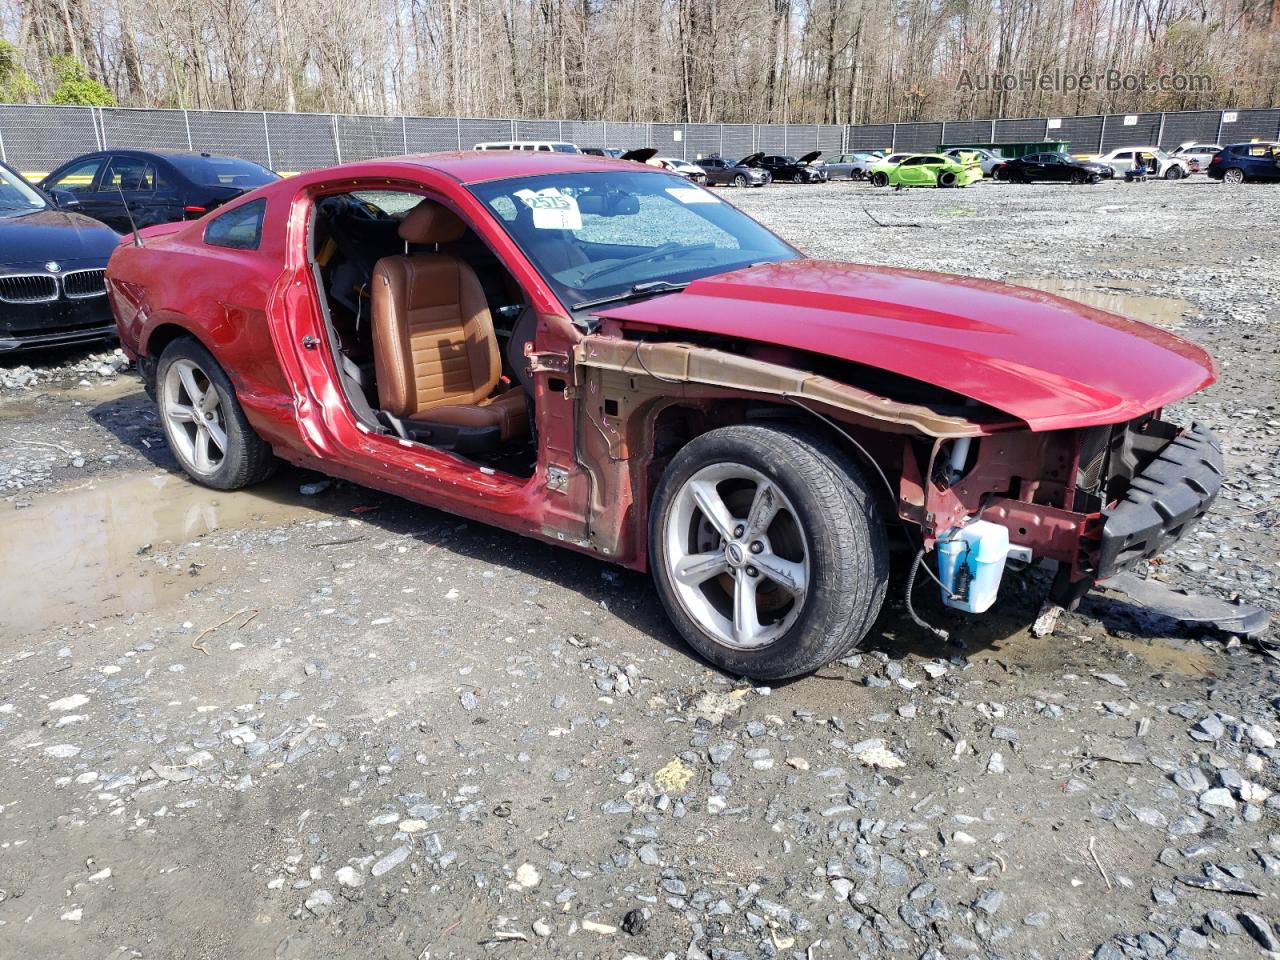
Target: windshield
x,y
597,235
222,171
17,194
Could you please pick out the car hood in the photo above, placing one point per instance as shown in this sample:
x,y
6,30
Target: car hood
x,y
1048,361
44,235
810,157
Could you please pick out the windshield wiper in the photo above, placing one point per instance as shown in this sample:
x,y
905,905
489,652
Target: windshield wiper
x,y
633,293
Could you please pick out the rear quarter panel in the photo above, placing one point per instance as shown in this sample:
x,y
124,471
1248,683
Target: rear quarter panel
x,y
220,296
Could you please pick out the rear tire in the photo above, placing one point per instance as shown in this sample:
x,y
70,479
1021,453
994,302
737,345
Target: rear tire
x,y
1233,175
946,179
203,423
768,550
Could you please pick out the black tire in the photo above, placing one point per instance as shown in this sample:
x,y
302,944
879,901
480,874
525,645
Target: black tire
x,y
1173,173
1233,175
879,179
946,179
844,538
1077,177
740,180
248,458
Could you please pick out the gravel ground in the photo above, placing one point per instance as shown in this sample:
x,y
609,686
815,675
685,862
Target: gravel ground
x,y
332,724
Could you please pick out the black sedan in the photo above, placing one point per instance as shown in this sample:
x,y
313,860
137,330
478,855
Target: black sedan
x,y
1050,167
52,268
159,186
722,173
787,167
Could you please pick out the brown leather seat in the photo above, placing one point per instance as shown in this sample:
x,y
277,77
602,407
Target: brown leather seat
x,y
435,354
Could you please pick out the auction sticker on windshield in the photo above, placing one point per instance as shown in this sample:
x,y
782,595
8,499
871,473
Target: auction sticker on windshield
x,y
552,210
692,195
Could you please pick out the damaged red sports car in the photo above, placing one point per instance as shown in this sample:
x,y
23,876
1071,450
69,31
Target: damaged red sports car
x,y
609,357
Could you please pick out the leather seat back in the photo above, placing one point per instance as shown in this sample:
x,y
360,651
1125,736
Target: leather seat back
x,y
433,337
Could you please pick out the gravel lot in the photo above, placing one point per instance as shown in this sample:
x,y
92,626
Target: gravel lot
x,y
332,724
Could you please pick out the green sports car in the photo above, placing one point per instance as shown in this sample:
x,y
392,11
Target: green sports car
x,y
926,170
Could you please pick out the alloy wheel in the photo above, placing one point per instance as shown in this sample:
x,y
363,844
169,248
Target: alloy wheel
x,y
1234,175
737,555
193,410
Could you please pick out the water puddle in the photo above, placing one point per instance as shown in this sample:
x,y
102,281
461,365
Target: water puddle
x,y
48,397
82,553
1161,311
1173,655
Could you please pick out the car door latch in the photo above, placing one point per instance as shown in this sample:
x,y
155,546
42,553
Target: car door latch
x,y
310,343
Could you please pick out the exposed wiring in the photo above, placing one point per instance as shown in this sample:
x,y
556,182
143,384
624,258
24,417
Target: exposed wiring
x,y
911,610
639,358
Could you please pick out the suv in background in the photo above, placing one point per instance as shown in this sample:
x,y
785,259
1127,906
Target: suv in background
x,y
1246,161
610,153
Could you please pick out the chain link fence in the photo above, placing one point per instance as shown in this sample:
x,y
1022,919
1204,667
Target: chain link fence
x,y
36,138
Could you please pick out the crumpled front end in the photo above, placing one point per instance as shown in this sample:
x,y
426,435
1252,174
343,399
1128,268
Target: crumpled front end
x,y
1096,501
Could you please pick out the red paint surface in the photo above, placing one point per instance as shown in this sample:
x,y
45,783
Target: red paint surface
x,y
1049,361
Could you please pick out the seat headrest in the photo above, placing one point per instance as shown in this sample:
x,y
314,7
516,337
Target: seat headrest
x,y
431,222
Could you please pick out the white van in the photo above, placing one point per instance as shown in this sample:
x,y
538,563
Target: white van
x,y
548,146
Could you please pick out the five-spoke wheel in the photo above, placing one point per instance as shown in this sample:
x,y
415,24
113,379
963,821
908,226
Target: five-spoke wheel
x,y
767,549
206,429
192,408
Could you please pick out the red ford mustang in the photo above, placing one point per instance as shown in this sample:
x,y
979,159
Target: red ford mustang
x,y
610,357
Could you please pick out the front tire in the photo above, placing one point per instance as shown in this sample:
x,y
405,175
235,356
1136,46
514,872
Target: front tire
x,y
740,181
768,550
203,423
1173,173
879,179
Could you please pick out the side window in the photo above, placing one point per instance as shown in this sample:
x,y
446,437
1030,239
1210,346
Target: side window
x,y
78,178
130,175
239,229
1124,155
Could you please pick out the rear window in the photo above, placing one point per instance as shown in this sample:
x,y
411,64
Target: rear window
x,y
239,229
222,171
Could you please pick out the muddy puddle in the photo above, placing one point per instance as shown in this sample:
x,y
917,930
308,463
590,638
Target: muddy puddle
x,y
20,406
1125,301
89,552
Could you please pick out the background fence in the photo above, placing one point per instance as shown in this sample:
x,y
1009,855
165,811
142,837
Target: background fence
x,y
35,138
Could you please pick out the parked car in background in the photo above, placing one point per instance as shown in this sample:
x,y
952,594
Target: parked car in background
x,y
1197,155
928,170
1050,167
884,165
613,153
533,146
722,173
52,268
850,166
985,159
690,171
622,364
158,186
1241,162
788,168
1156,161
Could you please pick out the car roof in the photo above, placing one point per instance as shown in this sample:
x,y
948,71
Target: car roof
x,y
479,166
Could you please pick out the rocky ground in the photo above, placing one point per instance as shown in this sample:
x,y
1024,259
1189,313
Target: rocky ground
x,y
331,724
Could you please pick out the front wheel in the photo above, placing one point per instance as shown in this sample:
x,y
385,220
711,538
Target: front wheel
x,y
768,550
740,181
879,179
203,423
1173,173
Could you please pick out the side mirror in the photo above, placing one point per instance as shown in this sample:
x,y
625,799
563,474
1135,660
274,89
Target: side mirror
x,y
64,199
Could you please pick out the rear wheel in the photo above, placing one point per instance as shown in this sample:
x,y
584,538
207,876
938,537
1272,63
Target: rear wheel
x,y
879,179
203,423
946,179
768,550
1234,175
